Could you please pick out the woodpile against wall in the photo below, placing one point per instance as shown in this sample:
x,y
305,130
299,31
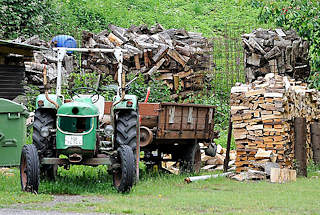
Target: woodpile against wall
x,y
178,58
175,56
34,67
279,52
263,113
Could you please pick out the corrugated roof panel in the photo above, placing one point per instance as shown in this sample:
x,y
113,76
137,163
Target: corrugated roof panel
x,y
11,78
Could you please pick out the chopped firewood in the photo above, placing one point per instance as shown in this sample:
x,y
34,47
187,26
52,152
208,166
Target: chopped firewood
x,y
282,175
263,114
280,53
150,51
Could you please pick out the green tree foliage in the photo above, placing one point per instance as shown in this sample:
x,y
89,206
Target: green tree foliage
x,y
303,16
25,17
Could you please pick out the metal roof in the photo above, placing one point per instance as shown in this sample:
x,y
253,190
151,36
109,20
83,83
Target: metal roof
x,y
9,47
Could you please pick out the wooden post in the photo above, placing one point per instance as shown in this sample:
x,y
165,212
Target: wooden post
x,y
300,146
176,82
227,158
315,142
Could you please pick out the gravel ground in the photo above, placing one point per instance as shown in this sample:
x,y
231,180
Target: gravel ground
x,y
13,211
19,209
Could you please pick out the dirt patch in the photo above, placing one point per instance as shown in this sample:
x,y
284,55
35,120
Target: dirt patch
x,y
53,204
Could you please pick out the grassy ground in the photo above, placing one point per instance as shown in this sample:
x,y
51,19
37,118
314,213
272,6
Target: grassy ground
x,y
206,16
166,194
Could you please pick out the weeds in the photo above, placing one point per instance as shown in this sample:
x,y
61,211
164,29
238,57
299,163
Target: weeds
x,y
163,194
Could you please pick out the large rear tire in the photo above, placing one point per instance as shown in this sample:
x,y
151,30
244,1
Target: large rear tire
x,y
126,129
123,177
191,160
42,118
29,169
126,132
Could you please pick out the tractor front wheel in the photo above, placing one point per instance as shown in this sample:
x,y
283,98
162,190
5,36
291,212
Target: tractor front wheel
x,y
29,169
123,177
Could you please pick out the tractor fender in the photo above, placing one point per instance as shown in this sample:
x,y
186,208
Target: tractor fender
x,y
42,102
124,105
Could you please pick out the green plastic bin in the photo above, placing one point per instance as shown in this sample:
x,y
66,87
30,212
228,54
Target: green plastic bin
x,y
12,132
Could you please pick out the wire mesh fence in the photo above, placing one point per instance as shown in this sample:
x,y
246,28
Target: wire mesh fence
x,y
228,59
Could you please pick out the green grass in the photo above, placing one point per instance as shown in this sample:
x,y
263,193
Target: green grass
x,y
166,194
206,16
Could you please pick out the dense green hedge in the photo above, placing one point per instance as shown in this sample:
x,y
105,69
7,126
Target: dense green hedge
x,y
25,18
301,15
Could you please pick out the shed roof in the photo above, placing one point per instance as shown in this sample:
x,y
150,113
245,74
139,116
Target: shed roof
x,y
9,47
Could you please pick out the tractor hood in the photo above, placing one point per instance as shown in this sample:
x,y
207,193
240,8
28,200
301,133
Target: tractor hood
x,y
78,108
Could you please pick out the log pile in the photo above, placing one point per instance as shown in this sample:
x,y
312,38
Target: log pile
x,y
216,163
175,56
208,163
280,52
48,59
263,113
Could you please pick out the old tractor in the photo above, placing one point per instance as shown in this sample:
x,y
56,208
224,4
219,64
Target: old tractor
x,y
70,132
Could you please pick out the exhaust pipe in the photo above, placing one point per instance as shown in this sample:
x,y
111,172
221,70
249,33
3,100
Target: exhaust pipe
x,y
75,158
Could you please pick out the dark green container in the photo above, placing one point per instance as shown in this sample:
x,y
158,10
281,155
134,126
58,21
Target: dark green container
x,y
12,132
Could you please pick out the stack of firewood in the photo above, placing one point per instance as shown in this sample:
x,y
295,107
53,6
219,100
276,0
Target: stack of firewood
x,y
303,102
263,114
175,56
279,52
45,58
48,59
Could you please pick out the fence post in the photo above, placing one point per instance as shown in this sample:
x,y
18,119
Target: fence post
x,y
300,146
315,141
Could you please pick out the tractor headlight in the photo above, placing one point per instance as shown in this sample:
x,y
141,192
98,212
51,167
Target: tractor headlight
x,y
108,130
44,132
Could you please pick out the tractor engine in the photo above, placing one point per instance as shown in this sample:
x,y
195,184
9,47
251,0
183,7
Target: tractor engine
x,y
76,129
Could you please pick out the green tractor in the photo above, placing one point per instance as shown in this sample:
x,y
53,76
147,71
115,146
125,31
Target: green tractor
x,y
71,132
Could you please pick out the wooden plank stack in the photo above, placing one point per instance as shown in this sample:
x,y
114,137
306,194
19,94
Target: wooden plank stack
x,y
262,115
280,52
175,56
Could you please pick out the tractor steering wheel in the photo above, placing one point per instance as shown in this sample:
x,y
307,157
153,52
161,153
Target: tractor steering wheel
x,y
73,92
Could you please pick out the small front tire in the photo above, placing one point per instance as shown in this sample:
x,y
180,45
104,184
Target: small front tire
x,y
29,169
123,177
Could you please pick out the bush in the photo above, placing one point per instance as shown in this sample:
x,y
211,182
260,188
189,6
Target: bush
x,y
303,16
25,17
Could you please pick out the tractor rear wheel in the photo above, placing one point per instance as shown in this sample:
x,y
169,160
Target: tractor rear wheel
x,y
191,160
29,169
123,177
126,129
42,118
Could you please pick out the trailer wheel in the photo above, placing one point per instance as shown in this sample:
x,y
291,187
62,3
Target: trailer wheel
x,y
42,118
123,177
191,160
29,169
